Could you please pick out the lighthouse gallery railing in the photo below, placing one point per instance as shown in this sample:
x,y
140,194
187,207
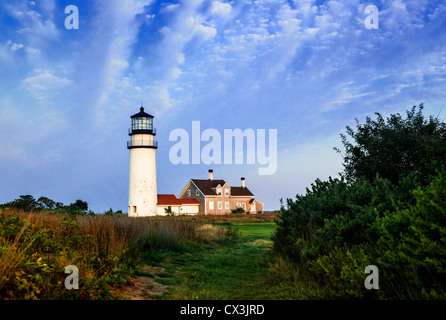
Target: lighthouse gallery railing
x,y
142,143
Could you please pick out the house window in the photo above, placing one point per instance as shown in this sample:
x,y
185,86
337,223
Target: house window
x,y
188,193
134,209
226,192
211,205
244,206
197,193
219,192
227,205
220,205
239,205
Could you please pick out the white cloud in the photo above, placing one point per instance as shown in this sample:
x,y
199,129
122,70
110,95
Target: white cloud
x,y
16,46
205,33
187,26
32,51
45,84
169,7
222,10
112,50
33,23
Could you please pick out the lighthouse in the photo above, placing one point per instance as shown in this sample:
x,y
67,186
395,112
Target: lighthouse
x,y
142,173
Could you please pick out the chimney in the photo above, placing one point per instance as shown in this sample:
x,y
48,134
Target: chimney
x,y
211,174
243,182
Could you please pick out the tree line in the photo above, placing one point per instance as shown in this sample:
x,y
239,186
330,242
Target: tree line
x,y
28,203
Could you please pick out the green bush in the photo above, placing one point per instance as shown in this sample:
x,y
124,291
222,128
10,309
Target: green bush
x,y
340,273
395,147
411,247
237,210
387,209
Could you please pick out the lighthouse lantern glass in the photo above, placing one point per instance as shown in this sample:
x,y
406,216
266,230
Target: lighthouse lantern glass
x,y
142,123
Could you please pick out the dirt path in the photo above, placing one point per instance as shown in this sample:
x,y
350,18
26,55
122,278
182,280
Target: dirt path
x,y
143,287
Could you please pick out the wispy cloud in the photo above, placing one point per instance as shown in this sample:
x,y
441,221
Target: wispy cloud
x,y
44,84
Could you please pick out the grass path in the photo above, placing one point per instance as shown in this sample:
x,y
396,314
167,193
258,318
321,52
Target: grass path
x,y
238,270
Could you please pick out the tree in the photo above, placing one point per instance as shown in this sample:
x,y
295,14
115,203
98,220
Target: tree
x,y
46,203
396,147
169,211
78,207
25,203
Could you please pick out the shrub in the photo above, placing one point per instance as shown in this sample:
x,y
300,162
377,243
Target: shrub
x,y
395,147
386,209
340,273
411,247
238,210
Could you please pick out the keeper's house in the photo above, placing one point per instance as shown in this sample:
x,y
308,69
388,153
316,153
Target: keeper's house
x,y
217,197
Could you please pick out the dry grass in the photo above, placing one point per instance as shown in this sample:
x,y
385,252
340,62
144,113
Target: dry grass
x,y
211,218
12,255
101,246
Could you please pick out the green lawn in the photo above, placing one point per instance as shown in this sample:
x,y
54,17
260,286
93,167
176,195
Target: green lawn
x,y
260,229
230,270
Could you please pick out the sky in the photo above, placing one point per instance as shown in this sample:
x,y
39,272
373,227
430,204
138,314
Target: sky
x,y
305,68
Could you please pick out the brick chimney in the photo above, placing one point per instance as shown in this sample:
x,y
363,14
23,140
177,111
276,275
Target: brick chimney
x,y
243,182
211,174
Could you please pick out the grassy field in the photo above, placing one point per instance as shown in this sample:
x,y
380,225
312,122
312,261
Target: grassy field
x,y
36,247
225,257
239,269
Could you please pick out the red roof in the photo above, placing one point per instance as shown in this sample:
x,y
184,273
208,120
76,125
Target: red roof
x,y
172,200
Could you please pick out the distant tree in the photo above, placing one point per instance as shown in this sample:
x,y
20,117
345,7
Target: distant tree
x,y
77,207
58,205
25,203
28,203
396,147
46,203
83,205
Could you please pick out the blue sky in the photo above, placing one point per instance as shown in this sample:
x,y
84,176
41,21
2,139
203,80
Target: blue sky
x,y
306,68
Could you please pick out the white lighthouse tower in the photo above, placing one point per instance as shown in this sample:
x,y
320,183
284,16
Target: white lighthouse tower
x,y
142,176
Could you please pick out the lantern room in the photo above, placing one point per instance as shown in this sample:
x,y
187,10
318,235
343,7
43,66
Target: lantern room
x,y
142,123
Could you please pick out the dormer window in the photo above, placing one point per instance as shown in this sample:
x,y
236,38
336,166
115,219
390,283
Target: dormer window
x,y
197,193
219,192
226,192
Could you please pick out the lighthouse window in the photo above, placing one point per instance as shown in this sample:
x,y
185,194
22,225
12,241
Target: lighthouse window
x,y
143,123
